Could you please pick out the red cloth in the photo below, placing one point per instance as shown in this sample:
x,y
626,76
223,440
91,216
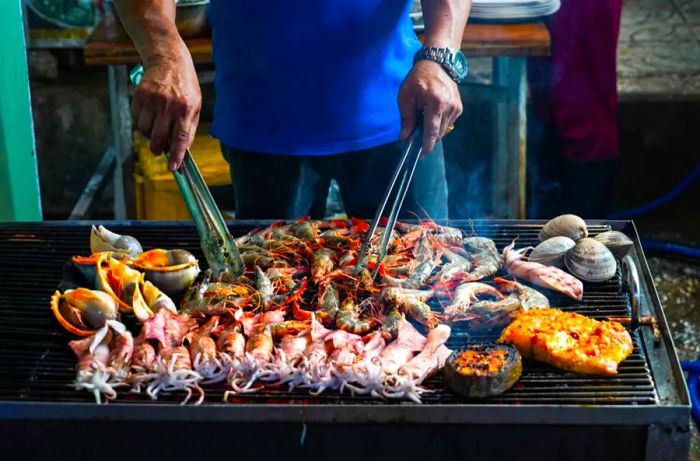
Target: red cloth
x,y
575,89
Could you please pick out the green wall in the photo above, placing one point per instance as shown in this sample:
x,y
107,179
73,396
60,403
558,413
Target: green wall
x,y
19,182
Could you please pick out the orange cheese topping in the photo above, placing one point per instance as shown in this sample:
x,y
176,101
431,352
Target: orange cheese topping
x,y
476,362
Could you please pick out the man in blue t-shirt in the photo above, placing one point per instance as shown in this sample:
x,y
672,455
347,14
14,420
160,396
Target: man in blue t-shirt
x,y
307,91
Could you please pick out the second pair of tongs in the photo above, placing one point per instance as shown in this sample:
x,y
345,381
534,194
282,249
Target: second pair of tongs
x,y
220,251
396,191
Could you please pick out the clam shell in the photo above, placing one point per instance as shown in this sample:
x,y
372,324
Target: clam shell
x,y
591,261
616,241
551,252
567,225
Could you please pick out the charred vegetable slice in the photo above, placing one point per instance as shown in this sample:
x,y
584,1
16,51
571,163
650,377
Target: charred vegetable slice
x,y
483,370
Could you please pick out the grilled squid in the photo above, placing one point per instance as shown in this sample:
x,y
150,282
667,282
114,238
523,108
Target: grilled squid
x,y
205,359
174,373
102,360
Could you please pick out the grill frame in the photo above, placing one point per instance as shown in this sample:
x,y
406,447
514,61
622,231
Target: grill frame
x,y
670,414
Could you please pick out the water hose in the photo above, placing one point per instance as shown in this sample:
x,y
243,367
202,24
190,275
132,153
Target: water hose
x,y
692,367
671,247
670,195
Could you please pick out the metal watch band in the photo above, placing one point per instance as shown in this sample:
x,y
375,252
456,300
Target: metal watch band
x,y
444,56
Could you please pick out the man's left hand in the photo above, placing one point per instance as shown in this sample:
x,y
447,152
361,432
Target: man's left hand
x,y
430,90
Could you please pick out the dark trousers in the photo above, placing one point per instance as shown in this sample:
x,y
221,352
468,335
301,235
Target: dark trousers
x,y
272,186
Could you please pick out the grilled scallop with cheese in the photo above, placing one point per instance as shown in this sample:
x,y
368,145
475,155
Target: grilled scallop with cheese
x,y
569,341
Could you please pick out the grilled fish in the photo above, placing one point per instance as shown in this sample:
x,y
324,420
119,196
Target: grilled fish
x,y
569,341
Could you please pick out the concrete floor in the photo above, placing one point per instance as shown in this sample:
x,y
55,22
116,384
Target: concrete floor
x,y
659,49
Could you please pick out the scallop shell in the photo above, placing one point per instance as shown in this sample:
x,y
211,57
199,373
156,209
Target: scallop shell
x,y
591,261
616,241
551,252
568,225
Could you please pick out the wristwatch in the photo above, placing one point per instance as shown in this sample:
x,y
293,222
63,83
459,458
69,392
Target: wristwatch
x,y
452,60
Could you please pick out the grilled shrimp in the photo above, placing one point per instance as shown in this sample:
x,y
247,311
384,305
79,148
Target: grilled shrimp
x,y
465,295
323,263
412,303
348,318
484,257
264,287
391,320
328,304
288,327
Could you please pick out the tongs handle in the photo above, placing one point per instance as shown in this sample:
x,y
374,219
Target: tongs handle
x,y
404,175
219,248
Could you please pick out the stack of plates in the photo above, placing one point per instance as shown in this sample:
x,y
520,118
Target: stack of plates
x,y
512,9
498,10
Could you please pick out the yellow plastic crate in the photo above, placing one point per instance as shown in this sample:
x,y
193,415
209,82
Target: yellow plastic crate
x,y
157,195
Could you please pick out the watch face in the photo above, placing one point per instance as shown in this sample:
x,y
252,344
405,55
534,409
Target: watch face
x,y
460,65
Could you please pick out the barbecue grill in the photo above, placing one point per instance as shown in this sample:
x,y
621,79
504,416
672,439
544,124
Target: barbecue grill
x,y
641,413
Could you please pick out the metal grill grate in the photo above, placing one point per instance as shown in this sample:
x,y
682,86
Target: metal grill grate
x,y
36,364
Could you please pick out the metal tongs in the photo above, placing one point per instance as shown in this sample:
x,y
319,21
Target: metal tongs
x,y
403,175
218,245
219,248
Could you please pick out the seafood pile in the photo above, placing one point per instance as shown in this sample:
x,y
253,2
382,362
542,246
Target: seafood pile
x,y
300,316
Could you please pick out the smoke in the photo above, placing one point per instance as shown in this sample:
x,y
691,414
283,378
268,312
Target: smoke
x,y
469,192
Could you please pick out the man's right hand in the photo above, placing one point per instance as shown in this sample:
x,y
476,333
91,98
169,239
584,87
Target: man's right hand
x,y
166,105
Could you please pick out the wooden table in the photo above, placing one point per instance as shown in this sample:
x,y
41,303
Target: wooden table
x,y
508,44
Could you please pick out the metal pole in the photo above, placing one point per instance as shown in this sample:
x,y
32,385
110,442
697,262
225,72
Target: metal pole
x,y
19,182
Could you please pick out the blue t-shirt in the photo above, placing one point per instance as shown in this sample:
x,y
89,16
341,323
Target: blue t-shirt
x,y
309,77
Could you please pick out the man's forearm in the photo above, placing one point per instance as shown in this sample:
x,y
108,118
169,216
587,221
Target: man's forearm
x,y
444,22
151,25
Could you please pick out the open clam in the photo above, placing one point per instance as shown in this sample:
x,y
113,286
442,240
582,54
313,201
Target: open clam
x,y
551,252
172,271
87,264
591,261
82,311
616,241
567,225
102,239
